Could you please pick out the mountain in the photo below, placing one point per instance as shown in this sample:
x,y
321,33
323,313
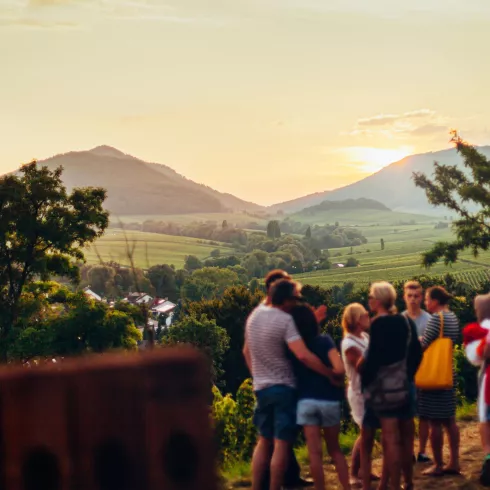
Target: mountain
x,y
135,187
393,185
348,204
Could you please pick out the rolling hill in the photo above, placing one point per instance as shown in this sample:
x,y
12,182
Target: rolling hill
x,y
393,185
135,187
356,212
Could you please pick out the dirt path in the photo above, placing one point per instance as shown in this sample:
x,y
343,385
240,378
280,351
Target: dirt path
x,y
471,461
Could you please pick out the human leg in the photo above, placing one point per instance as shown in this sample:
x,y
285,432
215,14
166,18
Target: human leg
x,y
436,441
261,460
407,436
392,450
454,439
315,453
356,460
331,435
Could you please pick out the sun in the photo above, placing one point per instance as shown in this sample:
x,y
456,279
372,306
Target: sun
x,y
372,159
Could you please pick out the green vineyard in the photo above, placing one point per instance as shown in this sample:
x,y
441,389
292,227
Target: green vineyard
x,y
474,278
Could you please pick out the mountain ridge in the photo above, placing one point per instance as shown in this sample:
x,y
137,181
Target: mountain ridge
x,y
137,187
405,196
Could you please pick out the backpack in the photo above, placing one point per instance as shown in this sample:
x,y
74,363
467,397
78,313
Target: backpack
x,y
391,388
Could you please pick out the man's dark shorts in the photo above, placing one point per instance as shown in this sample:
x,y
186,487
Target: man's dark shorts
x,y
275,413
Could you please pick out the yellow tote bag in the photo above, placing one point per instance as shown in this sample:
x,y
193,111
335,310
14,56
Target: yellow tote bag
x,y
436,369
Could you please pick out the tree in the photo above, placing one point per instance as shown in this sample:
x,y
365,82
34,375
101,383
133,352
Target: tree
x,y
308,233
467,194
382,244
224,225
192,263
230,312
204,334
162,278
274,230
215,253
352,262
101,279
208,283
43,231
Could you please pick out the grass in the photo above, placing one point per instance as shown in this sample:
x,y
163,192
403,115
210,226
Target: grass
x,y
150,248
218,218
362,216
238,474
466,412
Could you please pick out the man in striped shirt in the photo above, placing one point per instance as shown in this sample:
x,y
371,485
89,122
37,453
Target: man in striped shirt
x,y
268,330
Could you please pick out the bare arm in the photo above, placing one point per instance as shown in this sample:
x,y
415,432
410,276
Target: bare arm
x,y
337,363
248,358
353,356
299,349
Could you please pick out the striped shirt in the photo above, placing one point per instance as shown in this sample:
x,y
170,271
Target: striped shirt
x,y
267,332
439,404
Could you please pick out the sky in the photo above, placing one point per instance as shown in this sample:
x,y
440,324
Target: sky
x,y
266,99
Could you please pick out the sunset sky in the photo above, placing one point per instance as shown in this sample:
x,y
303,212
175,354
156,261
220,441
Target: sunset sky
x,y
266,99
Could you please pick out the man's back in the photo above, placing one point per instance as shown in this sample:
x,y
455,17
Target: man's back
x,y
268,330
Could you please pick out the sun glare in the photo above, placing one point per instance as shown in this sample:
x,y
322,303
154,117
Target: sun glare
x,y
374,159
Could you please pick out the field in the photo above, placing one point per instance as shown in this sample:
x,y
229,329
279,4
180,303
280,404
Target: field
x,y
362,217
239,219
150,248
399,260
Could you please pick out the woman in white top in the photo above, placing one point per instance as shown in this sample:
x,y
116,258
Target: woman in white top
x,y
355,322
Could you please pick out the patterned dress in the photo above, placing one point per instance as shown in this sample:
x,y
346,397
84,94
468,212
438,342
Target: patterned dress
x,y
439,404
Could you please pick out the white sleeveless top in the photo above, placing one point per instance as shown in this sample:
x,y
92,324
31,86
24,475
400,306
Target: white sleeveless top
x,y
360,343
354,392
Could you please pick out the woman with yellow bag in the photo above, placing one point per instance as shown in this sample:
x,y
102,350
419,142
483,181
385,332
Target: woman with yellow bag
x,y
435,379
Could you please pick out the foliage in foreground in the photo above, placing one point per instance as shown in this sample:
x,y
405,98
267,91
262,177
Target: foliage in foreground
x,y
466,192
43,230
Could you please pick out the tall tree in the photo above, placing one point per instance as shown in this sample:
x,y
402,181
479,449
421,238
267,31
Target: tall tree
x,y
382,241
308,233
43,230
162,278
466,192
273,229
224,225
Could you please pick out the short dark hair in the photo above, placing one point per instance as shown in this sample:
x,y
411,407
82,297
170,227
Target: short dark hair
x,y
282,291
274,276
306,322
439,294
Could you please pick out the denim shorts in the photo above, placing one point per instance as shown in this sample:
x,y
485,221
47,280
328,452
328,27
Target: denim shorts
x,y
275,413
320,413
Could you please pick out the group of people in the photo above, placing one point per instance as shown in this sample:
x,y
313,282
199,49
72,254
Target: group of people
x,y
299,375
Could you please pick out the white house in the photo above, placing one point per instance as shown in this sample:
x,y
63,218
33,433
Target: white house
x,y
88,292
138,298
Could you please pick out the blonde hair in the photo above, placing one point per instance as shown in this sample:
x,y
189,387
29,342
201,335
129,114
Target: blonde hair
x,y
482,307
351,316
385,293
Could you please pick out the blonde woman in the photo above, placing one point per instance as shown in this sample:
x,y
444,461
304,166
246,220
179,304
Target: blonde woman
x,y
355,322
387,373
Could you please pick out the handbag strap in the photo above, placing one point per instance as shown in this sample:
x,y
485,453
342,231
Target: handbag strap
x,y
441,330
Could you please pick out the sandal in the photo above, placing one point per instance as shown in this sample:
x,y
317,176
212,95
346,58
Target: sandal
x,y
451,471
434,472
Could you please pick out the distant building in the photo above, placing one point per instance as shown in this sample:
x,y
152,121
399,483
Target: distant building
x,y
88,292
163,307
138,298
